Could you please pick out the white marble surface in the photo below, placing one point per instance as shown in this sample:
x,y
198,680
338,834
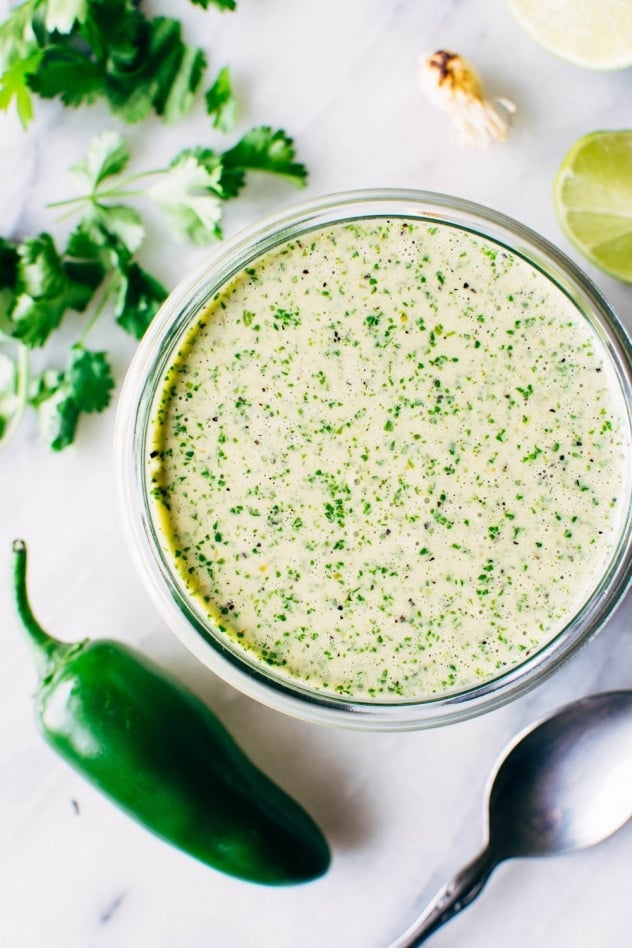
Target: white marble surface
x,y
402,811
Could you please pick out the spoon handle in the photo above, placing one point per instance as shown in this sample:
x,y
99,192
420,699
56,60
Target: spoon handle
x,y
450,899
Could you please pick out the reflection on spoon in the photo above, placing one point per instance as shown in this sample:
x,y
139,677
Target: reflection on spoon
x,y
564,784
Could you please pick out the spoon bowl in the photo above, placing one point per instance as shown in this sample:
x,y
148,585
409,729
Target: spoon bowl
x,y
567,782
562,785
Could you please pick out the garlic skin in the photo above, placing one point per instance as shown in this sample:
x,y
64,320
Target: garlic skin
x,y
452,84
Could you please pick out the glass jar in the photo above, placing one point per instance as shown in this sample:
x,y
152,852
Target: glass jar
x,y
199,633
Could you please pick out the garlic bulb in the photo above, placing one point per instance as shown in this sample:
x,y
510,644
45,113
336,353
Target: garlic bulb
x,y
452,84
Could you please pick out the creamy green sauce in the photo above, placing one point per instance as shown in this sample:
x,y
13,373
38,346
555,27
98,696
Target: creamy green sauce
x,y
388,460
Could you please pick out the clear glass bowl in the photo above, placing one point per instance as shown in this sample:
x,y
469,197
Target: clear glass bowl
x,y
144,378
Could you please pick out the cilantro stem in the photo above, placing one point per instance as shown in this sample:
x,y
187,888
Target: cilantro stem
x,y
119,190
116,193
98,309
122,182
70,213
68,201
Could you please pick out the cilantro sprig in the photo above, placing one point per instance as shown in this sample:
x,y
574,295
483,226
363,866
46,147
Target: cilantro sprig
x,y
40,286
79,51
190,190
97,272
85,385
83,50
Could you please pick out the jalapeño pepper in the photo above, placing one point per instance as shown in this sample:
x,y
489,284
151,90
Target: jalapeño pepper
x,y
158,752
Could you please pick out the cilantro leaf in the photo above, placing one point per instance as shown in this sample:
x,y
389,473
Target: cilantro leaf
x,y
67,73
221,4
18,38
61,15
164,75
188,194
89,376
6,305
9,258
221,102
138,295
132,82
119,221
14,84
107,155
183,85
9,397
208,159
110,233
114,32
106,48
44,386
61,397
90,243
57,409
86,273
261,149
138,299
45,288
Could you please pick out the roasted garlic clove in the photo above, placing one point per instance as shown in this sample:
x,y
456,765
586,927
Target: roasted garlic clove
x,y
452,84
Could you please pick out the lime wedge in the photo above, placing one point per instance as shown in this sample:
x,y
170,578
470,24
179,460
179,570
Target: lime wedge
x,y
593,200
596,34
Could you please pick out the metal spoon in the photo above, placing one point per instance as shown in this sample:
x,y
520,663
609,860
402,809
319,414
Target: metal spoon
x,y
562,785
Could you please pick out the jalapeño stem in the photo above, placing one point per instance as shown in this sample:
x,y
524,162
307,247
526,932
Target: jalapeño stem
x,y
44,645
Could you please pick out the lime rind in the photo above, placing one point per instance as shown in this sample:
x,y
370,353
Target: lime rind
x,y
593,200
594,34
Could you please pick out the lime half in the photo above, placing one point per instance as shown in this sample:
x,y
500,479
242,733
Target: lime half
x,y
593,200
596,34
